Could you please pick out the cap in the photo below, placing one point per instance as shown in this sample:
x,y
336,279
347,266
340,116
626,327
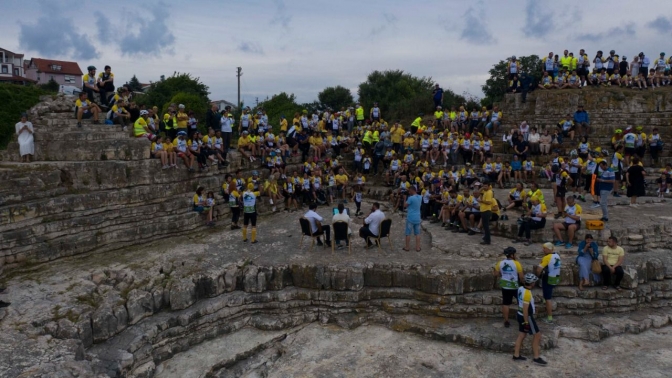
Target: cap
x,y
549,246
662,53
255,173
639,128
509,251
618,131
144,112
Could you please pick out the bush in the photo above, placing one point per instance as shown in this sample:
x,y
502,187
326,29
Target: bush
x,y
15,99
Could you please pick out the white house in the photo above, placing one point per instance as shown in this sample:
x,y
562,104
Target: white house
x,y
221,104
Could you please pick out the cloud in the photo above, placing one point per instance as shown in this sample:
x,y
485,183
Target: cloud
x,y
56,36
281,17
537,22
618,31
250,48
153,35
104,26
475,29
389,20
661,24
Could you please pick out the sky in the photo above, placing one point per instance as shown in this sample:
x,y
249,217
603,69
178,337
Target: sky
x,y
304,46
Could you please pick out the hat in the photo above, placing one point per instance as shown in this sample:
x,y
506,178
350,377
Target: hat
x,y
508,251
250,186
468,164
628,128
359,143
143,112
181,106
477,183
625,57
93,68
549,246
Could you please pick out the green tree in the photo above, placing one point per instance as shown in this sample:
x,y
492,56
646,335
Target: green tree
x,y
16,99
163,91
280,104
51,86
401,95
495,86
336,97
134,84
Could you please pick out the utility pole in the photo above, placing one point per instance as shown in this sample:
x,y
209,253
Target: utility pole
x,y
239,73
256,101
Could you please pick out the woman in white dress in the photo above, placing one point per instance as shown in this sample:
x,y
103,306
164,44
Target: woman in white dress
x,y
24,130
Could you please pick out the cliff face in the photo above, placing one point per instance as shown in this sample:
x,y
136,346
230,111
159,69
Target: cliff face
x,y
609,108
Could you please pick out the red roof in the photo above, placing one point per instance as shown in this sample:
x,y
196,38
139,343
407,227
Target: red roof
x,y
13,53
16,78
47,66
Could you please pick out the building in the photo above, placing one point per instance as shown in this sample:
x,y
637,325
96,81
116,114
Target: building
x,y
11,68
221,104
63,73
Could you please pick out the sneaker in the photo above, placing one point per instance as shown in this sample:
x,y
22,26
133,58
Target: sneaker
x,y
244,240
519,358
616,194
165,167
547,320
559,243
79,124
471,232
595,206
255,242
557,216
568,245
582,198
603,219
475,229
540,361
507,325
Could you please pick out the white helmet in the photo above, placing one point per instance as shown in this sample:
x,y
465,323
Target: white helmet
x,y
143,112
531,278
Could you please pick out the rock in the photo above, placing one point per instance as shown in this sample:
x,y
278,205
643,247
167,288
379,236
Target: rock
x,y
182,294
140,304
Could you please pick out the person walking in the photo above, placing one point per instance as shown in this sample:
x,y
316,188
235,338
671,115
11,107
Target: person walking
x,y
634,178
510,272
526,323
413,220
606,178
486,203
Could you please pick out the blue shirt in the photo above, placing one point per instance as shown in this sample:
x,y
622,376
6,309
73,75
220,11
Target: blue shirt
x,y
413,209
437,94
516,165
582,247
607,175
581,117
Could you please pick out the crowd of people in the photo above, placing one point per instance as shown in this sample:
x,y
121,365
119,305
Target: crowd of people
x,y
574,72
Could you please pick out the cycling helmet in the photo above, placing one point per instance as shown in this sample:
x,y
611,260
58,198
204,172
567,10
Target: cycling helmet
x,y
573,153
143,112
531,278
255,173
612,52
91,68
508,251
605,152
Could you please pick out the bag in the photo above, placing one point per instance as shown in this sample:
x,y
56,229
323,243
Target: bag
x,y
595,224
596,267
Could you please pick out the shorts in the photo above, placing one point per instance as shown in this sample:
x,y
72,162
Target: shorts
x,y
494,217
562,192
507,296
575,179
199,209
588,180
477,215
534,329
547,290
516,203
566,225
250,218
87,114
629,151
618,176
412,228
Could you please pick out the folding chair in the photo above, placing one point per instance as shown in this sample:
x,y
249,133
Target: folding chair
x,y
306,231
340,233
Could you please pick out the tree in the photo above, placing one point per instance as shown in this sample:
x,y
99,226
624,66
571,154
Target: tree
x,y
495,87
401,95
163,91
336,97
134,84
51,86
280,104
191,102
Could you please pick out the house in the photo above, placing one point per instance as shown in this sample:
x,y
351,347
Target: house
x,y
64,73
221,104
11,68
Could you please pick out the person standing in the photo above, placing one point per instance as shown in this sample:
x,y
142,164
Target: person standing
x,y
413,219
250,212
549,270
371,227
510,272
612,264
226,125
526,323
486,202
634,178
606,178
25,131
437,95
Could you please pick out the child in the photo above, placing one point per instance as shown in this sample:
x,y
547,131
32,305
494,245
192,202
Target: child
x,y
528,171
170,152
357,197
209,206
516,167
366,163
158,152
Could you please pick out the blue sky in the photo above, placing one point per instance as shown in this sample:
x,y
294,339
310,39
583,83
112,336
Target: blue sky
x,y
302,46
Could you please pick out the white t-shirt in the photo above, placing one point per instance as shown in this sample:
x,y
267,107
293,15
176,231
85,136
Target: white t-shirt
x,y
342,217
374,220
312,217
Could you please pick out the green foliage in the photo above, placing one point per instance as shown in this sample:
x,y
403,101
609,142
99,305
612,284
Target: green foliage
x,y
134,84
401,95
163,91
51,86
495,86
15,99
336,97
191,102
280,104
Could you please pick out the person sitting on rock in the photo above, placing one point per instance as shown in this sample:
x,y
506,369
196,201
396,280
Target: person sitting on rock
x,y
181,146
612,264
85,109
571,224
140,128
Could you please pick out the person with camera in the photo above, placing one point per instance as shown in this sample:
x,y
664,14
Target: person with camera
x,y
535,219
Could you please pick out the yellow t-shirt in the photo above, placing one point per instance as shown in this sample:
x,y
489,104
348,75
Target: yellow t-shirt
x,y
243,141
84,104
341,179
612,254
182,119
487,196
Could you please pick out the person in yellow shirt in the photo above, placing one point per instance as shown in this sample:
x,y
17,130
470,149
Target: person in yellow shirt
x,y
170,152
157,152
359,114
203,203
246,146
283,123
85,109
487,204
140,128
417,122
612,264
341,184
396,136
182,118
